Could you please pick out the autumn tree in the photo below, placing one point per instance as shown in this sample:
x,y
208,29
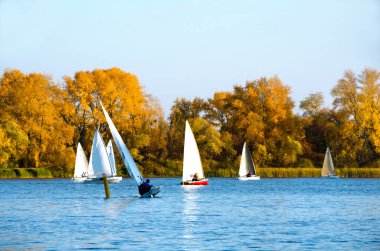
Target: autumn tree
x,y
261,114
357,107
27,103
135,114
319,128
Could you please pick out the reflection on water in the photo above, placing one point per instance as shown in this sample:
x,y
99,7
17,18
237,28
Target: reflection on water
x,y
190,213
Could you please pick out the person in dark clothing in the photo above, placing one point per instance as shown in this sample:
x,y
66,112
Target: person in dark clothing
x,y
145,187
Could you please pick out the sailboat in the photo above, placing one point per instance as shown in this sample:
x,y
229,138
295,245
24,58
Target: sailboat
x,y
247,167
129,163
111,156
192,165
100,164
328,166
81,166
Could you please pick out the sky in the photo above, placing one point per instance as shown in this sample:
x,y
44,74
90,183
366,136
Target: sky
x,y
194,48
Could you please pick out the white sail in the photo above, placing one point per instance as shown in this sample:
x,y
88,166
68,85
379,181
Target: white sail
x,y
246,163
328,165
111,157
123,150
99,161
81,164
191,159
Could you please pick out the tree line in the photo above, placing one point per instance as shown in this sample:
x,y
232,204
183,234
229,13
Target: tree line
x,y
42,122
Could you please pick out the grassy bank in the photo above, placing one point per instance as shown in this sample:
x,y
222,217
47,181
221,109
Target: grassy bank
x,y
265,172
31,173
316,172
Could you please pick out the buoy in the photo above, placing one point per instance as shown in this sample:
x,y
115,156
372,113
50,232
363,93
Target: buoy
x,y
106,187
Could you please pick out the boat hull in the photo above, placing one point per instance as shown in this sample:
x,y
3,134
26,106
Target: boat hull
x,y
152,193
330,177
195,183
115,179
111,180
249,178
79,179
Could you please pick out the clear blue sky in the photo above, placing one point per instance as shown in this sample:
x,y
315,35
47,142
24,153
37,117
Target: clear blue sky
x,y
194,48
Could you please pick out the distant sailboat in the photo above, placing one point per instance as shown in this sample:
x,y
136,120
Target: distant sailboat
x,y
100,165
81,166
111,156
247,167
129,163
328,166
192,165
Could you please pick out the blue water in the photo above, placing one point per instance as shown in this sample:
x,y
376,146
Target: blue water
x,y
270,214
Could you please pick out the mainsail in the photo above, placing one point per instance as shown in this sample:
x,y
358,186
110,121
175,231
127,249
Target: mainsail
x,y
123,150
99,161
81,164
246,162
191,159
111,156
328,165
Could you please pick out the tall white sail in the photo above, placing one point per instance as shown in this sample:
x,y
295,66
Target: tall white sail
x,y
123,150
99,161
81,164
111,157
328,165
191,159
246,162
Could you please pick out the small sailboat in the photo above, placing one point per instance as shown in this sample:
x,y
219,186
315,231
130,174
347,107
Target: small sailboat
x,y
129,163
100,165
81,166
328,170
111,156
247,167
192,165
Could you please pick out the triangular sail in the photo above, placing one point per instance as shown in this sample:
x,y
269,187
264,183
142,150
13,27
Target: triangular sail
x,y
191,159
111,157
246,163
328,165
123,150
81,164
99,161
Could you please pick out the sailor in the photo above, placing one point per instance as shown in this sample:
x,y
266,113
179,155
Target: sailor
x,y
249,174
145,187
196,177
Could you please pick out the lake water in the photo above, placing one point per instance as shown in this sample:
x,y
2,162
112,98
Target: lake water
x,y
270,214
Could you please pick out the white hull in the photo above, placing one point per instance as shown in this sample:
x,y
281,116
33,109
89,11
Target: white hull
x,y
115,179
79,179
112,180
330,177
152,193
249,178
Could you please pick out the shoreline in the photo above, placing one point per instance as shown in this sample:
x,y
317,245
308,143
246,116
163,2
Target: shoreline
x,y
265,172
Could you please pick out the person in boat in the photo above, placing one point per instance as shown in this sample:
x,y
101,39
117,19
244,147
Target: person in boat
x,y
145,187
195,177
249,174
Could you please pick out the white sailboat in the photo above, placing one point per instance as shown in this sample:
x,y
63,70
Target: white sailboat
x,y
192,165
328,170
129,163
81,166
247,167
114,178
99,164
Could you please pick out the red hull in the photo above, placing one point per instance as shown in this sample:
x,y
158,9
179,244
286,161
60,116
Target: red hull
x,y
196,183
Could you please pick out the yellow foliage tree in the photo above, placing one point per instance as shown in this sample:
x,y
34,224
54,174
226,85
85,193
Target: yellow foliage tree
x,y
28,101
